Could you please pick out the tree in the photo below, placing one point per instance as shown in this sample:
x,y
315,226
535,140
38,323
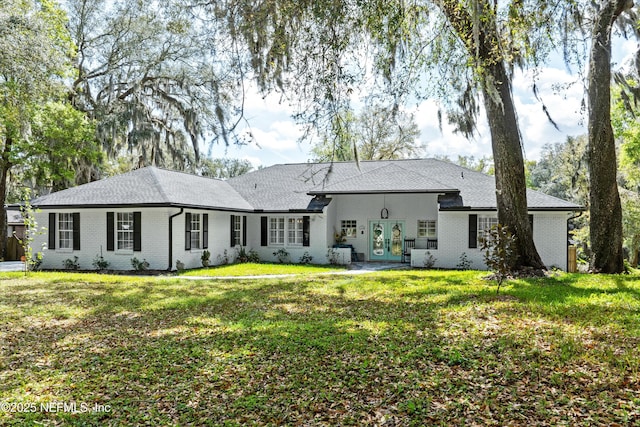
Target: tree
x,y
29,75
224,168
375,134
159,83
315,49
606,210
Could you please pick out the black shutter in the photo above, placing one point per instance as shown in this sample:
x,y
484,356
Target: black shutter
x,y
52,231
473,231
531,223
205,231
110,231
244,230
305,230
76,231
264,231
187,231
232,240
137,231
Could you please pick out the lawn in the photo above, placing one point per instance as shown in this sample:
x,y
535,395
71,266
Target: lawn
x,y
392,348
255,269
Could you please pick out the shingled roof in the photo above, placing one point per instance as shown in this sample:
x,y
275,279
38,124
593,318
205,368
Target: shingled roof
x,y
295,187
292,186
149,186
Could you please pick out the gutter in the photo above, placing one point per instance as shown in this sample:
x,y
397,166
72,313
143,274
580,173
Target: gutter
x,y
171,238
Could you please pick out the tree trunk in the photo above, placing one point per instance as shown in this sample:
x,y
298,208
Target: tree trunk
x,y
5,165
511,188
478,31
606,209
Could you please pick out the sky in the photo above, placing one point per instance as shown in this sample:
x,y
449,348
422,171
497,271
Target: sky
x,y
276,135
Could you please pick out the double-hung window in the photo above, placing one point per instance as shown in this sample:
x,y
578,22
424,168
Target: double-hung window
x,y
276,230
64,231
484,225
237,230
196,231
295,231
124,231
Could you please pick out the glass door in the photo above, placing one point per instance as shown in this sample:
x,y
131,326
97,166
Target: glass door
x,y
386,238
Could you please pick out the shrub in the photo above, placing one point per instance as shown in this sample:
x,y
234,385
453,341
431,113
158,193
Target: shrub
x,y
306,258
179,265
99,263
464,263
282,255
242,256
429,260
71,264
139,265
500,252
333,256
206,255
223,259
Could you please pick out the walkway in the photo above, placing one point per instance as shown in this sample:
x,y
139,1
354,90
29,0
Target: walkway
x,y
12,266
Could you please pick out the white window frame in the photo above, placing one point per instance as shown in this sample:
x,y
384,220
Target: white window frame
x,y
65,231
277,233
196,231
349,228
428,228
124,231
485,222
237,229
295,231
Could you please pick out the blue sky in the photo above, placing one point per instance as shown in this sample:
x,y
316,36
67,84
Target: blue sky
x,y
276,135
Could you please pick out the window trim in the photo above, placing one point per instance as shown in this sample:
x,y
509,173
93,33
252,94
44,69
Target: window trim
x,y
130,241
426,228
349,228
65,219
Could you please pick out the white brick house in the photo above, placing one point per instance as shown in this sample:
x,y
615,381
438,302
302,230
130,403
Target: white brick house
x,y
163,216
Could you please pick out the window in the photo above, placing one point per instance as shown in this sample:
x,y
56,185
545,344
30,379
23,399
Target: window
x,y
295,231
349,227
195,231
427,228
237,230
484,224
276,231
65,231
124,230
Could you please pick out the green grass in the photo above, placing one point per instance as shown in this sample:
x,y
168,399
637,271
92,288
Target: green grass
x,y
404,347
259,269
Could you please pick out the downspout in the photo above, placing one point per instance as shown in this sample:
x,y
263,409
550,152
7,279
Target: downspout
x,y
171,237
569,219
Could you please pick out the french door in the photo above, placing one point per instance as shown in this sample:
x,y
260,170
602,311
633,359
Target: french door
x,y
385,240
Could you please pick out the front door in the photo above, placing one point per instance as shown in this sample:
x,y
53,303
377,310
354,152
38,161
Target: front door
x,y
386,238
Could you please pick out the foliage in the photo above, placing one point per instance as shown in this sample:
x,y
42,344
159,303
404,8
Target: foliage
x,y
396,348
242,256
223,258
377,133
306,258
206,255
224,168
139,265
31,231
180,265
99,263
179,78
333,256
71,264
282,255
464,263
429,260
499,252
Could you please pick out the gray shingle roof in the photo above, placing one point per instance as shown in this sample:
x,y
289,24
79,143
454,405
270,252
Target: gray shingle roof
x,y
149,186
294,187
291,186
